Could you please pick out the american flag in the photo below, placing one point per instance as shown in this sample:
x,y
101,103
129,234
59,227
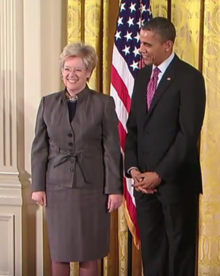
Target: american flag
x,y
125,63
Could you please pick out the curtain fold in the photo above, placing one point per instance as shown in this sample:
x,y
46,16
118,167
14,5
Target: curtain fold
x,y
198,43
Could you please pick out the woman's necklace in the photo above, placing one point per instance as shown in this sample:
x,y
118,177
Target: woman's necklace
x,y
71,98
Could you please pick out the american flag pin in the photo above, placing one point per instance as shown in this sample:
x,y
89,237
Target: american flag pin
x,y
168,79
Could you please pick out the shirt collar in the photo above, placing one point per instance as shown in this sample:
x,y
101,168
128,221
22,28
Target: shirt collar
x,y
163,66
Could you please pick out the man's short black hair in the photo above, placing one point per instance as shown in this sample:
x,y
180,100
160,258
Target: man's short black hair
x,y
163,27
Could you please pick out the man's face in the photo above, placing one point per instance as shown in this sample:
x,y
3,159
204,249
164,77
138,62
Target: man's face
x,y
152,49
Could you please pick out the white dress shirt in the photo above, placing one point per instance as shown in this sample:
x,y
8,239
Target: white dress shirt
x,y
163,67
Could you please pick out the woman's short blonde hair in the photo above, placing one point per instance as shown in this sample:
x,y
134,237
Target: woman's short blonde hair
x,y
86,52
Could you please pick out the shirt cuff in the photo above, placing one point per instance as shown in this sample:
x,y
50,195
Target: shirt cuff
x,y
131,168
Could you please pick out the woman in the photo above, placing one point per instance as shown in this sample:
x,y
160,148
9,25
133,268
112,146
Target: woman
x,y
76,165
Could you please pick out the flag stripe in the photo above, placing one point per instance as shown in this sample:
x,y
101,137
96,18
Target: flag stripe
x,y
129,190
120,87
120,108
131,208
122,134
122,68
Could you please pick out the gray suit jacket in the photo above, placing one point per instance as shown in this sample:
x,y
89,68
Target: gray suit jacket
x,y
84,153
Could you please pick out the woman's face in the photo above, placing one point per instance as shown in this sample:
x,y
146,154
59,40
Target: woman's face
x,y
75,74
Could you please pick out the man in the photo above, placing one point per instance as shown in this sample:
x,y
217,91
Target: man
x,y
161,154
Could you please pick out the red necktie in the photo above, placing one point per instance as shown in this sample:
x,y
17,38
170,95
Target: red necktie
x,y
152,86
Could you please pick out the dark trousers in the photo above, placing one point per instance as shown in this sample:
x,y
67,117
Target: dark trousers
x,y
168,235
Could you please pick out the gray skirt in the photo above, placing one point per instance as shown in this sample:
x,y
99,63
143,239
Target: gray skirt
x,y
78,224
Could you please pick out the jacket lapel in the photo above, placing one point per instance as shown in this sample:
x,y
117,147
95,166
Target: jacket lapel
x,y
142,89
165,82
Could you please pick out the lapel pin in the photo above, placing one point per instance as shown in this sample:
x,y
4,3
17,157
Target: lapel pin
x,y
168,79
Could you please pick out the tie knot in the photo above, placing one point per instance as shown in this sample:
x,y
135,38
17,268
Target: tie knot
x,y
156,72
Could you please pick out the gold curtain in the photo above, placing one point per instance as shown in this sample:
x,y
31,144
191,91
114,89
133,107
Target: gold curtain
x,y
198,42
209,246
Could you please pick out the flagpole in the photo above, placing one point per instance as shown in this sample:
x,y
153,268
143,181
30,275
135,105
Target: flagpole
x,y
129,253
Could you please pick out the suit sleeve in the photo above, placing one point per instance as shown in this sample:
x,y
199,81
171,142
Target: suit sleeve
x,y
191,114
112,150
39,152
131,159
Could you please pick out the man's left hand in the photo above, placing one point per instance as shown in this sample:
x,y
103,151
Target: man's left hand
x,y
150,180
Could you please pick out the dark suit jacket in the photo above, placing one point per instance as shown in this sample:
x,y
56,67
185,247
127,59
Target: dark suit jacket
x,y
84,153
164,139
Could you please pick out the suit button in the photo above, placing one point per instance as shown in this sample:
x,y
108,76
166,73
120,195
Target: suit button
x,y
72,160
70,135
70,144
72,169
